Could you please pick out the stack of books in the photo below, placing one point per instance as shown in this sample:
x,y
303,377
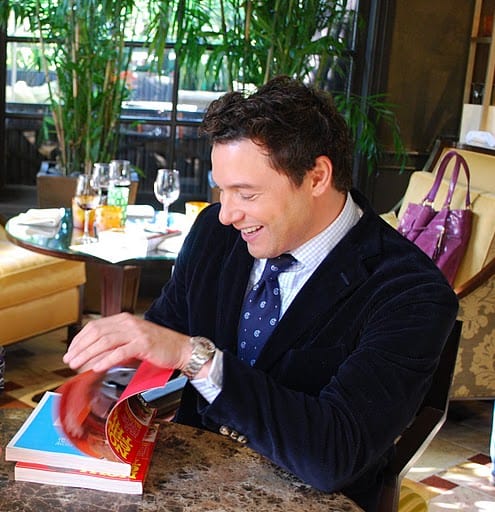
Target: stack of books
x,y
93,433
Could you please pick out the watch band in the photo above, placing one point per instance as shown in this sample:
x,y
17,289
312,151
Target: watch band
x,y
203,351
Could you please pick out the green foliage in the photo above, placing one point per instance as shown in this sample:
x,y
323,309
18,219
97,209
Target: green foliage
x,y
247,42
243,43
219,45
363,116
82,41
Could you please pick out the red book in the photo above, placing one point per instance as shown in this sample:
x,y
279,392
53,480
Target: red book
x,y
133,484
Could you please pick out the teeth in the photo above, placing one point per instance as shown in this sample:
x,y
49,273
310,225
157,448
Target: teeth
x,y
250,230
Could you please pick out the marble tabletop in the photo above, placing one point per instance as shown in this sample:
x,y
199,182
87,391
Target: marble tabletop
x,y
192,471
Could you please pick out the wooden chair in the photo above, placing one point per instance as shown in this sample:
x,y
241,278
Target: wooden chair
x,y
428,421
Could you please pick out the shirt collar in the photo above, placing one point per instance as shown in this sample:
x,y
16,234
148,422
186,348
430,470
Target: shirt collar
x,y
314,251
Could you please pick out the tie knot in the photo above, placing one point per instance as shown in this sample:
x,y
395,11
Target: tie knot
x,y
274,266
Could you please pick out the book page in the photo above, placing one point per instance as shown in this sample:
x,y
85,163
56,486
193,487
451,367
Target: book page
x,y
103,414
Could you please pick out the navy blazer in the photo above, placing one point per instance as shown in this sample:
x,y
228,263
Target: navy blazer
x,y
347,366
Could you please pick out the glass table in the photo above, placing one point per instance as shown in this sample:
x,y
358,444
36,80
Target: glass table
x,y
59,242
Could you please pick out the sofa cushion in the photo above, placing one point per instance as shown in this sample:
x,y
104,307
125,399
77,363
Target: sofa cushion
x,y
26,275
37,316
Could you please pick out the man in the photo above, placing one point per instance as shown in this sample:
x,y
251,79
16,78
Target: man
x,y
363,313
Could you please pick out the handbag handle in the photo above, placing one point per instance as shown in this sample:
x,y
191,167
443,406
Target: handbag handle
x,y
460,160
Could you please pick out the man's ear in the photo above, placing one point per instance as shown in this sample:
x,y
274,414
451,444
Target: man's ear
x,y
321,175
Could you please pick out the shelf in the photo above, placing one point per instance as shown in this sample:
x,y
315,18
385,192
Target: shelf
x,y
481,40
480,71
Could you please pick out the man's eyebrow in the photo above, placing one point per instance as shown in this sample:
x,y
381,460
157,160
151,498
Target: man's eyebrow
x,y
242,185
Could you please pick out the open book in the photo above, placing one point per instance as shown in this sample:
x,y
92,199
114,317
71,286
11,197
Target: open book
x,y
96,428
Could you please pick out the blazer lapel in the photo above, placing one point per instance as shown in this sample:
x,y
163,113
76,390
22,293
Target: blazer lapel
x,y
232,283
340,273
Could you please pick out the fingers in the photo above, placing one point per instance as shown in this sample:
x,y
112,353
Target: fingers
x,y
117,339
100,363
98,338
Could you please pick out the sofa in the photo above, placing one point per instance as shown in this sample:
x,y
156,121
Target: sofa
x,y
38,293
474,374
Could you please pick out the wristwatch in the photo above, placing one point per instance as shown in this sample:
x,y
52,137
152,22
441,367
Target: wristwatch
x,y
203,351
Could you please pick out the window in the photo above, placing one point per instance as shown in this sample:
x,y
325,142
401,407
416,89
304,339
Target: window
x,y
207,50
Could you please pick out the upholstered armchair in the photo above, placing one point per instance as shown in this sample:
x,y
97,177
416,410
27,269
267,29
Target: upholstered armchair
x,y
38,293
474,374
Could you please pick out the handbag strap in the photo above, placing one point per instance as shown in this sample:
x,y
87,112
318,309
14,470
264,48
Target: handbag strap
x,y
453,181
431,195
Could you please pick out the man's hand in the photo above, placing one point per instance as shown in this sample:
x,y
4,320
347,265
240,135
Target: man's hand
x,y
119,339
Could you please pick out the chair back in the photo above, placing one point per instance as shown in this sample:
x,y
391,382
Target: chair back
x,y
427,422
481,247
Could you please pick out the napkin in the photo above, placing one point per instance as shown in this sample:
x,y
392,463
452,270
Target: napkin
x,y
49,217
172,244
140,210
477,138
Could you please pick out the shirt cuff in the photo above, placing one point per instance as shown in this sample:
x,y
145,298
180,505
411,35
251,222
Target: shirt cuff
x,y
211,385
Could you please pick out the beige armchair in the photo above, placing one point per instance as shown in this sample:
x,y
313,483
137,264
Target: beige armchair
x,y
38,293
474,374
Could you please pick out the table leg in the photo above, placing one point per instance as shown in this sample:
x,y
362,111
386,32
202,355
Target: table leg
x,y
116,282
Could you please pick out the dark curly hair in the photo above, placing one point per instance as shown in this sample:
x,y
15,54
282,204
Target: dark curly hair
x,y
294,123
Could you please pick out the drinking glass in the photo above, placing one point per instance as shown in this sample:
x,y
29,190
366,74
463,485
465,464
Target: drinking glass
x,y
120,170
119,186
167,188
87,198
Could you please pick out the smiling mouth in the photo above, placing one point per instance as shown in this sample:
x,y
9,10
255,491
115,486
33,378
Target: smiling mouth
x,y
250,230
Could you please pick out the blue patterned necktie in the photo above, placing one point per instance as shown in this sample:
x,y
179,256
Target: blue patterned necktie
x,y
261,309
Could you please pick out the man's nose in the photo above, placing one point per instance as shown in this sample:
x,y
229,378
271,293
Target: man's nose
x,y
229,212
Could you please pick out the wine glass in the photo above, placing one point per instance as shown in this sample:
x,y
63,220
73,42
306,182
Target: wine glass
x,y
87,198
101,179
167,188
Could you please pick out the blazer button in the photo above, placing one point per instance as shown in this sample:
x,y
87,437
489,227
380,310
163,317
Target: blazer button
x,y
242,439
224,430
234,435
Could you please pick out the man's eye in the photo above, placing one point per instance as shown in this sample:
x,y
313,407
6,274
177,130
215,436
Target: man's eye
x,y
248,197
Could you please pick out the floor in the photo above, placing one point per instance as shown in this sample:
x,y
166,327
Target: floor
x,y
452,475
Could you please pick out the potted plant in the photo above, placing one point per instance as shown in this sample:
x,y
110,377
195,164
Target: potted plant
x,y
219,44
85,62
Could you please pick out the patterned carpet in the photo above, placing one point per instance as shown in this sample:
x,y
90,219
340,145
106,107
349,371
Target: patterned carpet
x,y
453,473
34,366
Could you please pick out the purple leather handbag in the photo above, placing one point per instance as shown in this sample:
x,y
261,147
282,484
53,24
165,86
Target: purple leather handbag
x,y
442,235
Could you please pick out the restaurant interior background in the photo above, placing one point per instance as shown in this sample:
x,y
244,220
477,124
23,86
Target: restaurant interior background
x,y
413,52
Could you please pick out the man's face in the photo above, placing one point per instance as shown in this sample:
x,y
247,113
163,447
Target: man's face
x,y
272,214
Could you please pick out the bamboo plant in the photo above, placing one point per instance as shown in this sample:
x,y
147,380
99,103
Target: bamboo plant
x,y
82,43
218,44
